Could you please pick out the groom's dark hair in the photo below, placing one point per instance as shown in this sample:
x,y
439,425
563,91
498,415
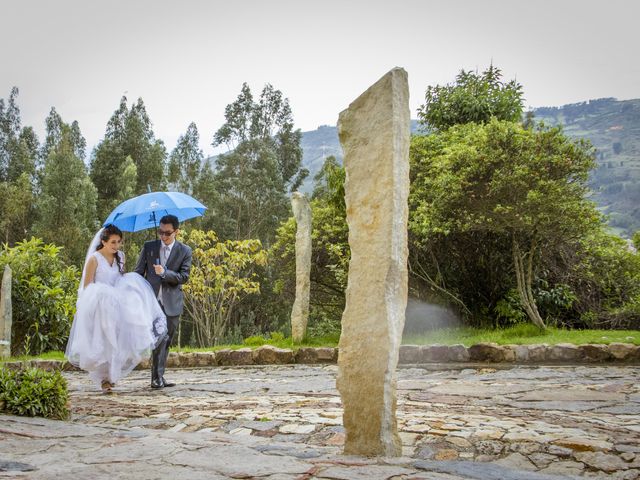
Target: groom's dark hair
x,y
171,220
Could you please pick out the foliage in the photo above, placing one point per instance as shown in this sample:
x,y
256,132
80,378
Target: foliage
x,y
521,334
43,295
222,275
67,203
605,276
185,161
474,97
483,193
34,392
251,180
18,165
259,340
16,208
129,134
330,252
611,126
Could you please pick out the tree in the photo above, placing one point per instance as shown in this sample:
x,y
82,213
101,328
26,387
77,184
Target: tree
x,y
473,97
252,180
331,254
511,188
128,134
18,164
222,275
9,131
16,209
67,203
185,161
44,294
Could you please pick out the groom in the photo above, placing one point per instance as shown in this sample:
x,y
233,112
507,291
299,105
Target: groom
x,y
165,263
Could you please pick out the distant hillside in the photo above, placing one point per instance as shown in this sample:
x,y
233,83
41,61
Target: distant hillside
x,y
321,143
612,126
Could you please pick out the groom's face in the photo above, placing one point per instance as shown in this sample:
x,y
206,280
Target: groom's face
x,y
167,233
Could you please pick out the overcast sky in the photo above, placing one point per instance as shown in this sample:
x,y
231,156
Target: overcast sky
x,y
187,59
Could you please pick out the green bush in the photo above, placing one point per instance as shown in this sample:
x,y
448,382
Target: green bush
x,y
43,294
254,341
34,392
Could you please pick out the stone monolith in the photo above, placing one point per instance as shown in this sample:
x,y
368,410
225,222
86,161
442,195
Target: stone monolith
x,y
300,311
374,132
5,313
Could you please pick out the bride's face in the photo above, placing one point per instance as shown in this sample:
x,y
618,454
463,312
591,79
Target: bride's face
x,y
113,244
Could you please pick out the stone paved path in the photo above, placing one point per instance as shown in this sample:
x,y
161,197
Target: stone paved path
x,y
284,422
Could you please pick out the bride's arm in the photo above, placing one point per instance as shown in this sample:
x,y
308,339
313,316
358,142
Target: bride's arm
x,y
90,271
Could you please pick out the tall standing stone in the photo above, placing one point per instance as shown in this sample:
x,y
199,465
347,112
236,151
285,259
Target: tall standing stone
x,y
300,311
374,132
5,313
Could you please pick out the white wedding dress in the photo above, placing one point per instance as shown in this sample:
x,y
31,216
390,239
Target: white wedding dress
x,y
118,322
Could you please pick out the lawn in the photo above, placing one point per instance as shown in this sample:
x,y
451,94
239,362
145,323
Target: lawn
x,y
522,334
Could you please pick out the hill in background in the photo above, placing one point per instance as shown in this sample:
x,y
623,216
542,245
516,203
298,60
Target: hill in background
x,y
612,126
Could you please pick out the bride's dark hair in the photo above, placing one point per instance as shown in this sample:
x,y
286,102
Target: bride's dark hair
x,y
106,234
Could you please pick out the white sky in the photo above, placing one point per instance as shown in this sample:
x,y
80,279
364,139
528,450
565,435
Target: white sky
x,y
188,59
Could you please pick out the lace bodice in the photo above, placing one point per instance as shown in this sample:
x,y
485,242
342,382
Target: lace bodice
x,y
106,273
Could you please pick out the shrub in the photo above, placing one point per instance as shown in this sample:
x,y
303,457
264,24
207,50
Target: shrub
x,y
43,293
254,341
34,392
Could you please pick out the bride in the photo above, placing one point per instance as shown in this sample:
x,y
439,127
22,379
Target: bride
x,y
118,319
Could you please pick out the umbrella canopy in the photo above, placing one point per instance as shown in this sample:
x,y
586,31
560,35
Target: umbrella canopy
x,y
145,211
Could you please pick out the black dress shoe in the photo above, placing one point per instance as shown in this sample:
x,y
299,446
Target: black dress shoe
x,y
157,384
168,384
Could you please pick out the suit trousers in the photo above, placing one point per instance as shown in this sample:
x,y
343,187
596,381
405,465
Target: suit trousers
x,y
161,352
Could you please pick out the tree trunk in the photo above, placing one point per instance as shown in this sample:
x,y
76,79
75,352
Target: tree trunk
x,y
524,280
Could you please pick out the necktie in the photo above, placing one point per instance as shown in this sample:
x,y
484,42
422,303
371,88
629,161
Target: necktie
x,y
165,255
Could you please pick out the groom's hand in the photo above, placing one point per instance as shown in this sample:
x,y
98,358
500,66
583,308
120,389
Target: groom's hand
x,y
159,270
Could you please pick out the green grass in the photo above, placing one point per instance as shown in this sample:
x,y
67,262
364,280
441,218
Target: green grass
x,y
255,342
54,355
522,334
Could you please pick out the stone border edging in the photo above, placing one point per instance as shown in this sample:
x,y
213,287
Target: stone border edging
x,y
409,354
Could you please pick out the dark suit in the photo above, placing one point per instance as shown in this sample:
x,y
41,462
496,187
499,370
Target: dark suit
x,y
176,274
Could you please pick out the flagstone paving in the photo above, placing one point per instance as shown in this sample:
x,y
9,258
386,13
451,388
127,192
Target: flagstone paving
x,y
284,422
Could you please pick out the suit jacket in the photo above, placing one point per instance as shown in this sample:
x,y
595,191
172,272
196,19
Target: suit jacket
x,y
176,273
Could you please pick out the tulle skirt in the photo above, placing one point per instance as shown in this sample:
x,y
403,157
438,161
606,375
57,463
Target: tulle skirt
x,y
115,327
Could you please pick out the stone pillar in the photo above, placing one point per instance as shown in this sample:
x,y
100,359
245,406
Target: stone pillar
x,y
300,311
5,313
374,132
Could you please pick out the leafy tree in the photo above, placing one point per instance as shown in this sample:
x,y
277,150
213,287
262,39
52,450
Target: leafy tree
x,y
605,276
473,97
502,188
54,126
43,293
128,134
18,164
222,275
252,180
185,161
330,252
67,203
16,208
9,131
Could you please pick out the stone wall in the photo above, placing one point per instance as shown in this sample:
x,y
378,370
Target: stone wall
x,y
489,353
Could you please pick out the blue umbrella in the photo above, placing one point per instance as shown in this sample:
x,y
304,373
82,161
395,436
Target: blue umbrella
x,y
145,211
